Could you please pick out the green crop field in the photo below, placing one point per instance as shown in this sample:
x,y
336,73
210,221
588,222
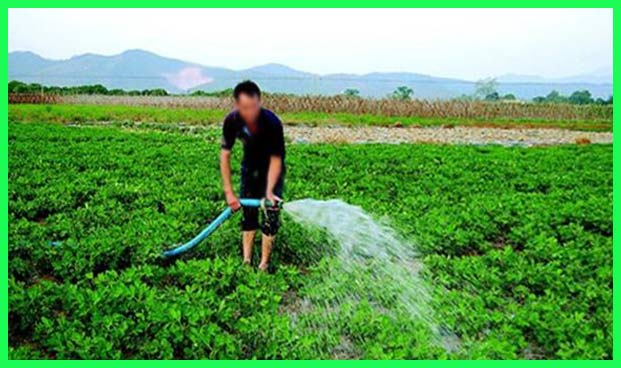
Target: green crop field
x,y
516,245
200,116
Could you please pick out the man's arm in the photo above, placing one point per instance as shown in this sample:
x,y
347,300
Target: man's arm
x,y
228,140
225,171
273,173
277,152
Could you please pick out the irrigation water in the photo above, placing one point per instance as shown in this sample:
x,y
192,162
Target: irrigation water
x,y
371,264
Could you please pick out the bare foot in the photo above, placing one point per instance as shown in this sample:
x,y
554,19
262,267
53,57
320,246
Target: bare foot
x,y
247,262
263,267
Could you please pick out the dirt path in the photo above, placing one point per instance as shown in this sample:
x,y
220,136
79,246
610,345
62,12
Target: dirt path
x,y
300,134
456,135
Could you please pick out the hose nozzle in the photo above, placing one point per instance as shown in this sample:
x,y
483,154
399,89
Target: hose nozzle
x,y
265,204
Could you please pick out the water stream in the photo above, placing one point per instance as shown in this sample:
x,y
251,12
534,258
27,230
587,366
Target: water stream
x,y
377,264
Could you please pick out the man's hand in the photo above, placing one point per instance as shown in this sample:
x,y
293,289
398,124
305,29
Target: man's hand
x,y
232,201
270,196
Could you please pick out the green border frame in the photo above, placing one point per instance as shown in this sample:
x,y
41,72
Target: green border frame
x,y
616,6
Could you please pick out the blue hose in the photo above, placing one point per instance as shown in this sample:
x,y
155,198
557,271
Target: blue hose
x,y
250,202
202,235
245,202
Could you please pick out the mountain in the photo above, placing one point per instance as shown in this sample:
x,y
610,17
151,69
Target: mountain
x,y
276,69
132,69
26,63
140,69
599,76
520,78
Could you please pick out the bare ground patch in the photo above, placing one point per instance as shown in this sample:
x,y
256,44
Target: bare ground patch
x,y
443,135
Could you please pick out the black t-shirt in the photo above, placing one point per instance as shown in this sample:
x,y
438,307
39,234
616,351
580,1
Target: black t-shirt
x,y
267,141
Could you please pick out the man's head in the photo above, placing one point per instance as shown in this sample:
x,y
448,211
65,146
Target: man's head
x,y
248,100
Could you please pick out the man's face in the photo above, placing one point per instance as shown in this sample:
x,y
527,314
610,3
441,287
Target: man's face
x,y
249,107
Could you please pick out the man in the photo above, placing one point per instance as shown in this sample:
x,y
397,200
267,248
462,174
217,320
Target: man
x,y
262,168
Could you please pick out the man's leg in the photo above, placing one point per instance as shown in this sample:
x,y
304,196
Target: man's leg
x,y
247,244
250,216
271,224
267,241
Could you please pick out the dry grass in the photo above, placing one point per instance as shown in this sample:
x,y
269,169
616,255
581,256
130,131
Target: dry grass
x,y
342,104
33,98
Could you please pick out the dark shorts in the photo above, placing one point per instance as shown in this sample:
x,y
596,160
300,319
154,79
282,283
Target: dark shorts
x,y
253,185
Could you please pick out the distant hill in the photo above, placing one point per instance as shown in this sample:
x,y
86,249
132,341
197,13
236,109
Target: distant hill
x,y
598,76
520,78
27,63
139,69
132,69
276,69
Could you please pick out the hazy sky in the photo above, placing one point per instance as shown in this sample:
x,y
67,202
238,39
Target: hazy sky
x,y
462,43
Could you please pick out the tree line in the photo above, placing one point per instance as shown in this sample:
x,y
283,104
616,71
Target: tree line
x,y
94,89
485,89
98,89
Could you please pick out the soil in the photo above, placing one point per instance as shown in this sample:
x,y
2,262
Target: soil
x,y
444,135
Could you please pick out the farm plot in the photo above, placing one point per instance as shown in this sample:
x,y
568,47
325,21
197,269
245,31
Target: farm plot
x,y
599,120
515,244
